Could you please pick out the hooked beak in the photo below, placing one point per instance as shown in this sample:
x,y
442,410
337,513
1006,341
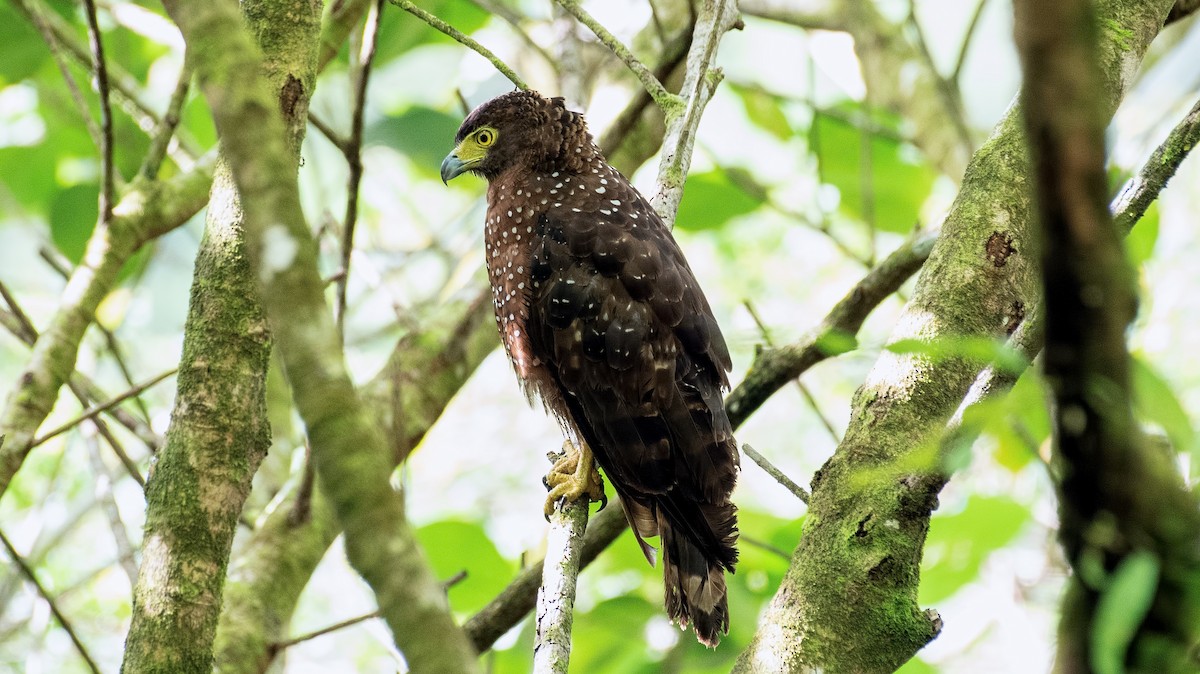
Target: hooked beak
x,y
452,167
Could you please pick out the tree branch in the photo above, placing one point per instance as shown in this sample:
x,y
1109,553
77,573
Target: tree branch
x,y
665,99
978,281
701,77
146,211
556,595
100,68
29,574
465,40
348,448
1143,189
1129,523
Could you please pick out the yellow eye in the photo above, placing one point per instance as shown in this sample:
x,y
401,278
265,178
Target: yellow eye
x,y
485,137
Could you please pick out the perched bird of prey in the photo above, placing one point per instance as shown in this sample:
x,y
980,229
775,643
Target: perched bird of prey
x,y
603,319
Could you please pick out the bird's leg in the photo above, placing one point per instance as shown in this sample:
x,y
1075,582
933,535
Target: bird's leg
x,y
573,477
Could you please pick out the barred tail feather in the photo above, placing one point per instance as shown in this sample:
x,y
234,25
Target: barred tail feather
x,y
694,583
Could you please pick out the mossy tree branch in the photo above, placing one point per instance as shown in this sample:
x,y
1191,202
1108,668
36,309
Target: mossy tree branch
x,y
348,448
219,430
870,506
1129,523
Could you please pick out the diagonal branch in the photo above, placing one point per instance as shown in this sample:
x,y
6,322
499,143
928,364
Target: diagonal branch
x,y
460,37
28,572
665,99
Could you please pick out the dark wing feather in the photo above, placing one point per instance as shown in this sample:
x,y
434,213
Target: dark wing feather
x,y
630,340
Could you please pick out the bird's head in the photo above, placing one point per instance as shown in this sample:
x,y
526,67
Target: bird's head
x,y
520,129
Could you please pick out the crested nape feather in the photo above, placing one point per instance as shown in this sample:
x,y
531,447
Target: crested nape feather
x,y
603,319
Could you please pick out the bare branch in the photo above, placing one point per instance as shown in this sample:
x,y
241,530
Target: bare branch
x,y
1144,188
360,72
164,136
556,595
58,614
773,368
665,99
458,36
92,412
965,48
100,69
517,600
780,477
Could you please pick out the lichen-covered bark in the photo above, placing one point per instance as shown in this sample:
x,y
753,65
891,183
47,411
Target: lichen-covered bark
x,y
426,369
1128,523
849,599
218,436
347,446
219,430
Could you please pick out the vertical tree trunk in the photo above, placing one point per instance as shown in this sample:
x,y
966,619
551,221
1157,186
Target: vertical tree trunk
x,y
1129,526
219,431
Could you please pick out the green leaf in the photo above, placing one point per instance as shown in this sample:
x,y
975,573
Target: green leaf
x,y
22,50
765,112
1154,401
424,134
836,342
1122,607
453,547
958,544
1139,244
73,217
711,199
971,348
898,186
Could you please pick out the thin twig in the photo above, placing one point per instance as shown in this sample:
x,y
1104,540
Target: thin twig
x,y
330,134
124,85
513,19
27,571
360,72
274,648
165,133
763,545
965,48
104,494
804,392
665,99
774,472
458,36
40,21
1144,188
100,68
104,407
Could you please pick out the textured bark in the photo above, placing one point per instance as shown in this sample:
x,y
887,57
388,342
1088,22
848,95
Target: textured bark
x,y
1129,524
347,446
218,436
425,371
848,601
219,429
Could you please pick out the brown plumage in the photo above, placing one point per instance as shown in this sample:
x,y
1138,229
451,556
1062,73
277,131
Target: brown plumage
x,y
602,317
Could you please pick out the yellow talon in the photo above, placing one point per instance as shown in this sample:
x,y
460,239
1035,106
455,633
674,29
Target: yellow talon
x,y
573,477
